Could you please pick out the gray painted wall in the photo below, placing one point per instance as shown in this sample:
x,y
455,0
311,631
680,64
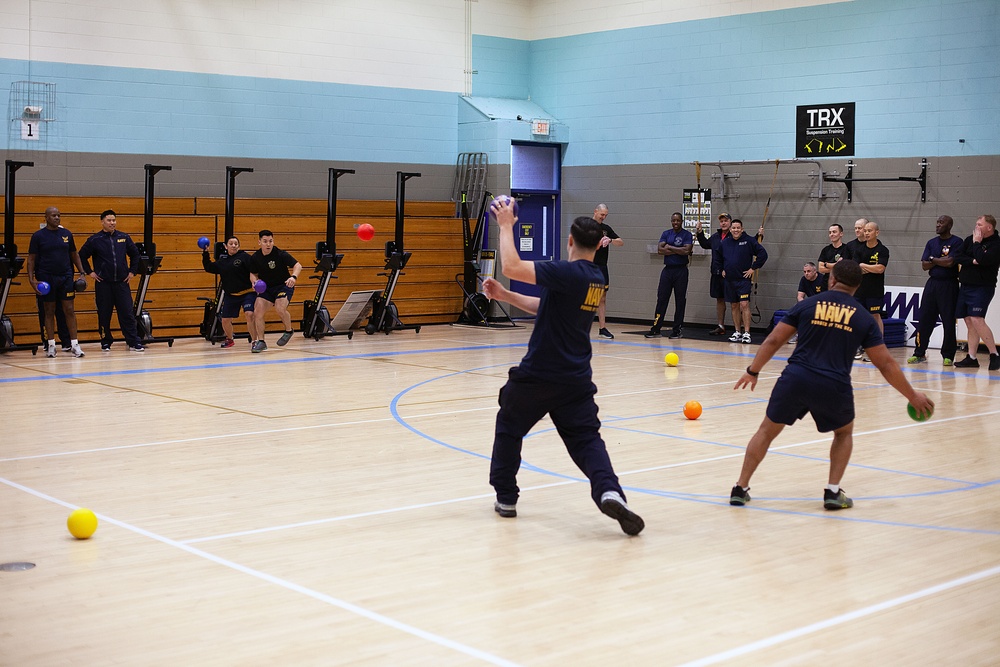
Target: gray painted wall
x,y
642,197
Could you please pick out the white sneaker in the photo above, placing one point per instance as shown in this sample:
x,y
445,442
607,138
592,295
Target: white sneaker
x,y
794,339
77,352
50,350
736,337
746,337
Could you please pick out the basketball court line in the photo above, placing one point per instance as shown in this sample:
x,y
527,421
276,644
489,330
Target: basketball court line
x,y
397,418
783,637
250,363
314,357
529,466
344,605
333,519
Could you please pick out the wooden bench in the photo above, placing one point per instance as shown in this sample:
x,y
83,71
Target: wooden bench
x,y
426,294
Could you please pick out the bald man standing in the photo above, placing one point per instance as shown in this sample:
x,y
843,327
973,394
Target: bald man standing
x,y
873,257
601,259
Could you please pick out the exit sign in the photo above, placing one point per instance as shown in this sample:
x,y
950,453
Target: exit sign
x,y
540,126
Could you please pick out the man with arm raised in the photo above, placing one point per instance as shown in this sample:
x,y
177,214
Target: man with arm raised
x,y
554,377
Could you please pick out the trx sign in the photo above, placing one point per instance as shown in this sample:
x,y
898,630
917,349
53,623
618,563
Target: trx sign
x,y
824,130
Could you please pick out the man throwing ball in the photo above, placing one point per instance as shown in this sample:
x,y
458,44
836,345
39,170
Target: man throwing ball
x,y
233,269
554,377
817,380
280,273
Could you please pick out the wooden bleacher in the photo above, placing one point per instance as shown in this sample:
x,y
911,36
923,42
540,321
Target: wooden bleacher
x,y
427,293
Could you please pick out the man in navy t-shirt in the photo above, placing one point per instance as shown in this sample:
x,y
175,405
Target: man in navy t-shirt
x,y
817,379
554,377
675,245
52,256
811,283
940,295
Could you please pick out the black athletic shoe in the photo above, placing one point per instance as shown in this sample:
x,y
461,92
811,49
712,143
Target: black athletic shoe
x,y
677,333
968,362
604,333
506,511
614,506
105,347
739,496
652,333
995,362
718,331
836,501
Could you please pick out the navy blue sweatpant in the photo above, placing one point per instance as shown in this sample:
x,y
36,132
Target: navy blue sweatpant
x,y
115,296
672,279
938,300
523,401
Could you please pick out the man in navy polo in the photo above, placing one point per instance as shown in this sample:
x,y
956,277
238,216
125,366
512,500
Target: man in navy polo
x,y
741,256
115,257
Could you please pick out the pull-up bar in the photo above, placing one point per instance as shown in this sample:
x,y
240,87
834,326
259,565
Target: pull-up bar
x,y
849,180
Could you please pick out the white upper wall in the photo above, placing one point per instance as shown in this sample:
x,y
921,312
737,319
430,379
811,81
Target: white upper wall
x,y
503,18
543,19
395,43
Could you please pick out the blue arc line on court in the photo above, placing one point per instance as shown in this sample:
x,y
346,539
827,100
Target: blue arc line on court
x,y
394,410
673,494
790,454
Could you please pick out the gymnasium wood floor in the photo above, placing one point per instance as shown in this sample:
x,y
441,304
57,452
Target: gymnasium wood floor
x,y
327,503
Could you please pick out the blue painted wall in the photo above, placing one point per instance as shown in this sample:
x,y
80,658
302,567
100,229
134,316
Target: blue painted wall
x,y
142,111
924,74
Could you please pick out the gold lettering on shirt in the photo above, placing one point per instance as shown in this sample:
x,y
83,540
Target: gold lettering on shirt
x,y
833,315
593,300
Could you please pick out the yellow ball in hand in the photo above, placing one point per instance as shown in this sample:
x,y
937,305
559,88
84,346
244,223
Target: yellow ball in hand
x,y
671,359
81,523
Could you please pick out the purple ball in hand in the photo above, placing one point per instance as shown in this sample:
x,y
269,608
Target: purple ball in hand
x,y
505,199
259,286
